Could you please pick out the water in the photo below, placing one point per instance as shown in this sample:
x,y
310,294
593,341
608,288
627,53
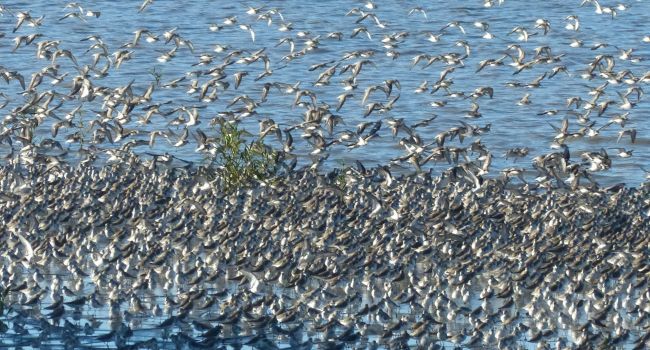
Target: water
x,y
511,125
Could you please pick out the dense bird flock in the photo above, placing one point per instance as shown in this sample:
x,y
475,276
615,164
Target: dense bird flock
x,y
392,262
112,237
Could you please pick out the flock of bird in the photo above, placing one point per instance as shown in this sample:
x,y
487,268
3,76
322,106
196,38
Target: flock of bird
x,y
117,230
142,259
80,118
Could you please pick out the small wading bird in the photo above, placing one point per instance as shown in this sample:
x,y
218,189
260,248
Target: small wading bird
x,y
427,233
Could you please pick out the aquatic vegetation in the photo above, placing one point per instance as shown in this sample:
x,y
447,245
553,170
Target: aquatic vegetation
x,y
239,161
340,180
140,208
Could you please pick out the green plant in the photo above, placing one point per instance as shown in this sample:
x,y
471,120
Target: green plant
x,y
240,161
340,180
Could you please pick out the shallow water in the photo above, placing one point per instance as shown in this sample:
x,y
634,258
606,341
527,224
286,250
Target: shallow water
x,y
83,326
512,125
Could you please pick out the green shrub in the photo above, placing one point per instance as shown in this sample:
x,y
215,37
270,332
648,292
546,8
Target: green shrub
x,y
239,161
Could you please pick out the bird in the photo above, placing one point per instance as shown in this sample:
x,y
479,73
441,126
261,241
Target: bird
x,y
341,100
420,10
145,4
279,206
525,100
573,23
627,132
249,29
473,112
623,153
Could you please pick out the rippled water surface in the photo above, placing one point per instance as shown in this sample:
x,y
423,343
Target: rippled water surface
x,y
512,125
435,50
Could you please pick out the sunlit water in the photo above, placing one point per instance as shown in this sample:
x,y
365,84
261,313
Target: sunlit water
x,y
511,125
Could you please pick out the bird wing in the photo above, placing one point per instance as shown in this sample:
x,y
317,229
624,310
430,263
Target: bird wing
x,y
29,252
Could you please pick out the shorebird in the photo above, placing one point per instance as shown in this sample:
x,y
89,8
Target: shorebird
x,y
248,238
145,4
420,10
525,100
573,23
627,132
473,112
623,153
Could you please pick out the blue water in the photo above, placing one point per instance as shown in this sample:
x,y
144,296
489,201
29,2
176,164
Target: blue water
x,y
511,125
